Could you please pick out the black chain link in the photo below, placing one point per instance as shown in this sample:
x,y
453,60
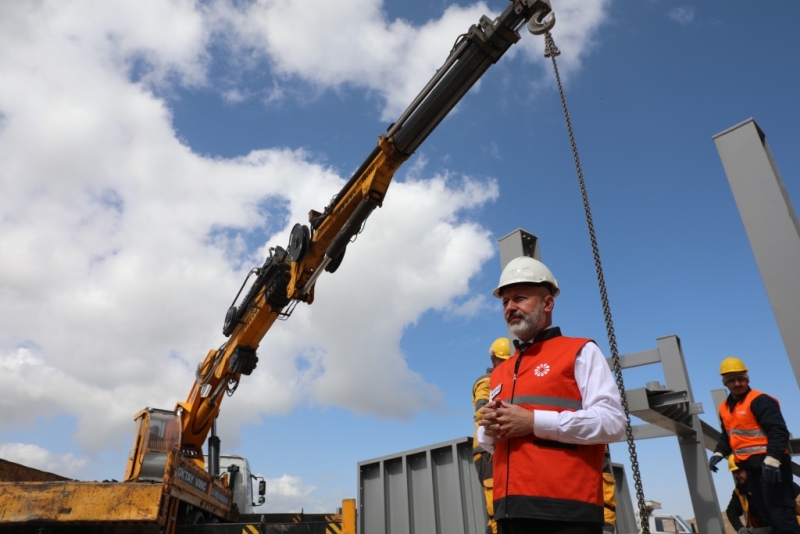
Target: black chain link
x,y
551,51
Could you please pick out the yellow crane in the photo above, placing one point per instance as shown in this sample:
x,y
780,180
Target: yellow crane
x,y
165,482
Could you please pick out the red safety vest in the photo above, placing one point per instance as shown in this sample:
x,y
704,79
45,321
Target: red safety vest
x,y
745,437
537,478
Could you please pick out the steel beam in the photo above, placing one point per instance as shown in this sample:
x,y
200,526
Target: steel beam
x,y
636,359
646,407
718,396
693,450
771,224
518,243
649,431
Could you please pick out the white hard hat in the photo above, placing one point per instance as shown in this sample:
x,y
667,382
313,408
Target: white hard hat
x,y
526,270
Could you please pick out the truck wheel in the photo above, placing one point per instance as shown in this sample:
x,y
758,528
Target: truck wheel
x,y
195,517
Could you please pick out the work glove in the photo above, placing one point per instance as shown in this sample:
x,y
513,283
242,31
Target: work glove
x,y
715,459
771,470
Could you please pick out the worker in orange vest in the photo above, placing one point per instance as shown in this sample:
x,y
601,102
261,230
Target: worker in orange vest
x,y
755,433
498,352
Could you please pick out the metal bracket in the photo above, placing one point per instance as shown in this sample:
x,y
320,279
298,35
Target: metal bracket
x,y
670,410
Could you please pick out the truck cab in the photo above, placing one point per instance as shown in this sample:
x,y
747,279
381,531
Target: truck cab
x,y
665,523
244,496
669,523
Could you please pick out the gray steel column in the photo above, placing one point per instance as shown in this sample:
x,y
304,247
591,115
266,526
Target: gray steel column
x,y
626,518
771,224
718,396
693,450
517,243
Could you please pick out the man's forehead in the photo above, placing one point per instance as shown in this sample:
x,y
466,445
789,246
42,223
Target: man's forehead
x,y
525,289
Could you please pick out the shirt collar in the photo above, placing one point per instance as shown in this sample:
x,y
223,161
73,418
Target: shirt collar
x,y
544,335
733,402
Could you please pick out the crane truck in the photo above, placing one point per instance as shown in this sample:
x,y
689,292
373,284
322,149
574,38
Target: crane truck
x,y
168,486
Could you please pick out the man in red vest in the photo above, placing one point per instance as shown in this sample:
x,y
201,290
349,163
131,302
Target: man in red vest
x,y
753,430
553,407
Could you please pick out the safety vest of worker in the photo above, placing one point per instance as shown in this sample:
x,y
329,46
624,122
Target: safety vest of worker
x,y
609,495
538,478
480,398
749,521
482,459
745,437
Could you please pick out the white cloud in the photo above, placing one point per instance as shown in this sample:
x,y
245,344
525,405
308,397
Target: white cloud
x,y
287,494
471,307
155,39
683,15
353,43
66,465
123,248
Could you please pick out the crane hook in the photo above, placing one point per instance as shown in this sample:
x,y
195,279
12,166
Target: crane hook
x,y
543,18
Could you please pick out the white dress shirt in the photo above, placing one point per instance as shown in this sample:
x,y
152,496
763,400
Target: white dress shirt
x,y
601,419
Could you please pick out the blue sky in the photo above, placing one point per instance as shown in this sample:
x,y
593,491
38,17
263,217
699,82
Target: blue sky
x,y
149,152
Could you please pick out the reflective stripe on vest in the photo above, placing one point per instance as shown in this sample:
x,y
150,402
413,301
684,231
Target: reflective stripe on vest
x,y
745,437
749,451
751,433
553,402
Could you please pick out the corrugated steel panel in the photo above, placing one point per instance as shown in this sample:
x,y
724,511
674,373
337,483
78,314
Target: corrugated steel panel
x,y
626,518
430,490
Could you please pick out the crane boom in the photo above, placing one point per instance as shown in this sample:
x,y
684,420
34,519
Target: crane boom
x,y
288,276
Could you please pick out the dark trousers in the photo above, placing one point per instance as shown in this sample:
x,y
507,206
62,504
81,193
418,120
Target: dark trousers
x,y
540,526
775,501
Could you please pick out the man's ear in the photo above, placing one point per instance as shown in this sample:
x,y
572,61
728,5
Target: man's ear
x,y
549,302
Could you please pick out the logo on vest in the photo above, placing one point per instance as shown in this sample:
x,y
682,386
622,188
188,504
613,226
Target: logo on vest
x,y
541,369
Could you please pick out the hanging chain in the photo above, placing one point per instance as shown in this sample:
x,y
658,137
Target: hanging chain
x,y
551,51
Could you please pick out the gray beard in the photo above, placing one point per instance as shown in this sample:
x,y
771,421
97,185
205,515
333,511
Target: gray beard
x,y
529,325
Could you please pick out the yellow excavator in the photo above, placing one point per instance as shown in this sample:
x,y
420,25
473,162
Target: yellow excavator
x,y
168,484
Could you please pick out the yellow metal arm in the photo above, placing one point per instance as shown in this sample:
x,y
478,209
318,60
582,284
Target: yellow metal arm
x,y
222,368
288,275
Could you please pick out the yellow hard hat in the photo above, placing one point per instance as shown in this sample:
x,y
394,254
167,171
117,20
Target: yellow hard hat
x,y
501,348
732,365
732,463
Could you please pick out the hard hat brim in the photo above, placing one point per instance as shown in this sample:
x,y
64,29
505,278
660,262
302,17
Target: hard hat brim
x,y
498,293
